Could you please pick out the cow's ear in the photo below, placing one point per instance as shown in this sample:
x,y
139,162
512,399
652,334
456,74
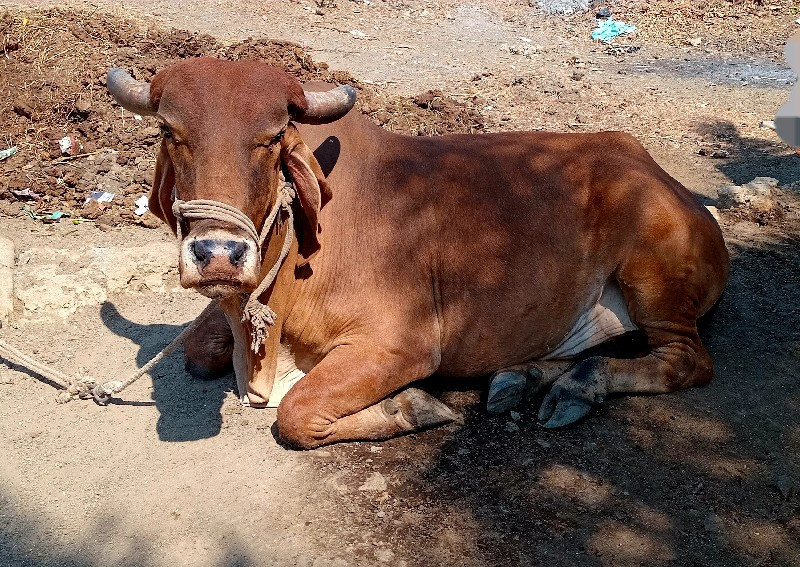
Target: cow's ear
x,y
312,190
160,201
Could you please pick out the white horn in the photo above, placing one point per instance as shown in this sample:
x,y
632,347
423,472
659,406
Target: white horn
x,y
329,105
131,94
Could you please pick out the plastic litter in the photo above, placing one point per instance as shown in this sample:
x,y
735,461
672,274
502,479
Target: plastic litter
x,y
141,206
47,217
7,153
608,29
25,194
100,197
65,144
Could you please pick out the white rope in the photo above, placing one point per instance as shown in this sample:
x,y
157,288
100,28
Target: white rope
x,y
86,388
260,316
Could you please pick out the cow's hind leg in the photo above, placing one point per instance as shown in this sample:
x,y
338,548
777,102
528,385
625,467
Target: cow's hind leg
x,y
511,387
346,398
666,310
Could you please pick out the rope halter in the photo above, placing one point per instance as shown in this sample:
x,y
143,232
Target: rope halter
x,y
257,314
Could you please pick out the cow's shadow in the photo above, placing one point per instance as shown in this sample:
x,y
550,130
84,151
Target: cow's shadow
x,y
751,156
701,477
189,409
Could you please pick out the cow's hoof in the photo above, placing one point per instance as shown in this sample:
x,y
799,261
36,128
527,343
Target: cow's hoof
x,y
506,391
572,397
422,410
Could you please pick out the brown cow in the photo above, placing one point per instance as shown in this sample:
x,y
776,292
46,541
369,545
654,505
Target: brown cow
x,y
456,255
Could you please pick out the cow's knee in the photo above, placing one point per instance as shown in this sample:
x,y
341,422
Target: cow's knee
x,y
299,428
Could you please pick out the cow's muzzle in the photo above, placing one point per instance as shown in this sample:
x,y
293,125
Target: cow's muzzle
x,y
218,263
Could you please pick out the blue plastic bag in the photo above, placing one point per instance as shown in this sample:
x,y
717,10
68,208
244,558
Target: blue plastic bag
x,y
609,29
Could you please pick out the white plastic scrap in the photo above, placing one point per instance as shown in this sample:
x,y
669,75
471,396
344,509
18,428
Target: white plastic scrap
x,y
100,197
8,153
65,144
141,206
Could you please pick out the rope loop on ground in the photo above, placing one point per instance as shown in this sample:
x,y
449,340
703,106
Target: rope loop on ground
x,y
86,388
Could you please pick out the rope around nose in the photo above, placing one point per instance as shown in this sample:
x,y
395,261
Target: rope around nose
x,y
260,316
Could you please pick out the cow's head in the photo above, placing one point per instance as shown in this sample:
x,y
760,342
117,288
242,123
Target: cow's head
x,y
227,134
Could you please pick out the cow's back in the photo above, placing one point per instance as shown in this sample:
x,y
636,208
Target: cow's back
x,y
493,244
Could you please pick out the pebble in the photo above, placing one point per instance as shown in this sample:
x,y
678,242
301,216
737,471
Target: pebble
x,y
757,194
543,443
384,555
512,427
516,416
785,485
713,523
63,397
375,482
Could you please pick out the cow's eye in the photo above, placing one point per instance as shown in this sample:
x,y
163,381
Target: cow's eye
x,y
166,132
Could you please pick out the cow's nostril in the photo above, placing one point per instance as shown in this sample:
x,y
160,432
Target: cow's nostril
x,y
237,251
202,250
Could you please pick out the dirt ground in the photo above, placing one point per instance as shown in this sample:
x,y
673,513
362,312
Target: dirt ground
x,y
176,472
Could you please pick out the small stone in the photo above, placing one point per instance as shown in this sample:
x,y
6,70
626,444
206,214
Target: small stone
x,y
577,75
375,449
785,485
516,416
695,41
603,12
103,227
512,427
92,210
63,397
375,482
763,185
384,555
149,220
108,219
713,523
150,132
544,444
83,107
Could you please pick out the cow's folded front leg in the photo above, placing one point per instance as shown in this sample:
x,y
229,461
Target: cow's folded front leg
x,y
255,372
345,398
208,351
